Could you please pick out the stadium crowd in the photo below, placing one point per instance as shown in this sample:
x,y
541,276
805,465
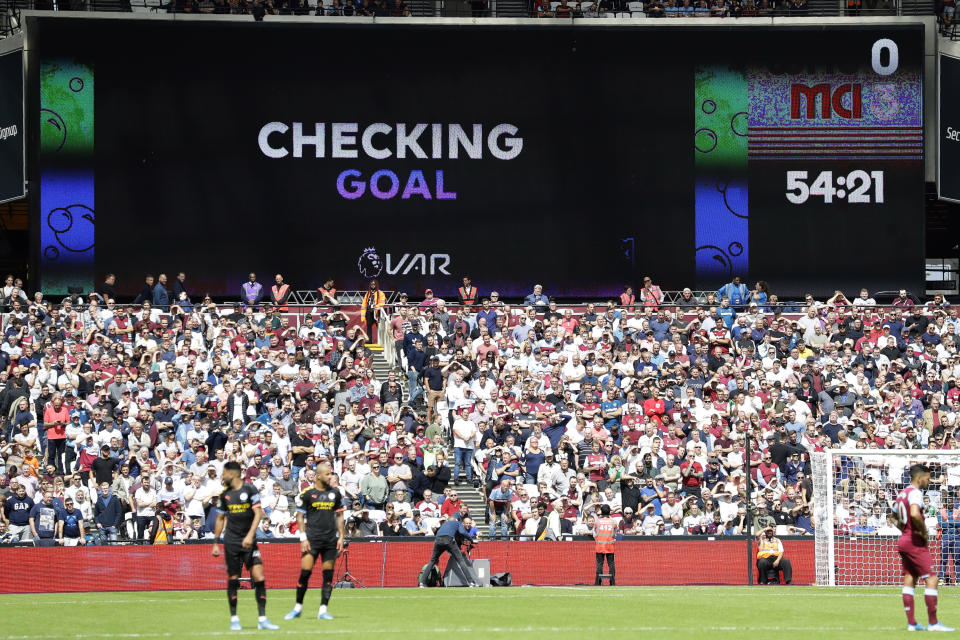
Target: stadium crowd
x,y
117,418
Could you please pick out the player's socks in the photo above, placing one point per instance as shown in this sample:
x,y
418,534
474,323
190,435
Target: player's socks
x,y
327,590
908,605
302,583
260,589
930,597
232,587
298,607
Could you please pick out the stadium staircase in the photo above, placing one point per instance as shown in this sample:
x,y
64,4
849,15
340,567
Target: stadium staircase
x,y
472,497
423,8
916,7
511,8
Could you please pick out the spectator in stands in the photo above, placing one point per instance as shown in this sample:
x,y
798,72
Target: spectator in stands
x,y
161,296
735,291
499,504
560,378
252,291
45,521
16,511
70,529
542,9
537,298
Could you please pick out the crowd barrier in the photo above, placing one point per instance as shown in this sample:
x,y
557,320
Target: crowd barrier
x,y
392,563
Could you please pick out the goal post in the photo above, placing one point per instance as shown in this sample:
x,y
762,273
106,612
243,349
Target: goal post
x,y
853,500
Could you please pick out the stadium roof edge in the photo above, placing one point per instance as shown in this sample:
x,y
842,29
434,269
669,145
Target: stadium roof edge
x,y
929,21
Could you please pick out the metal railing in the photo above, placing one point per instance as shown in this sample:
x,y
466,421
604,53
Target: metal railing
x,y
385,338
9,19
512,9
621,9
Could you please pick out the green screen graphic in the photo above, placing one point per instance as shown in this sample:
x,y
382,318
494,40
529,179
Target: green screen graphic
x,y
66,175
720,140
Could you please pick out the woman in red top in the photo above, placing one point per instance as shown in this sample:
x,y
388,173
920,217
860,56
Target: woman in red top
x,y
55,419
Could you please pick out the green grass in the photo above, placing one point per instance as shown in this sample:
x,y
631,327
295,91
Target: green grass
x,y
518,612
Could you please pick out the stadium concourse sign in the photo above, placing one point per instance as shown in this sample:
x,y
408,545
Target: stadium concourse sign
x,y
714,162
12,159
948,137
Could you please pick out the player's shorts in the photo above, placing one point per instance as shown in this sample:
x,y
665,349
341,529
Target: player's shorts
x,y
237,558
323,549
917,561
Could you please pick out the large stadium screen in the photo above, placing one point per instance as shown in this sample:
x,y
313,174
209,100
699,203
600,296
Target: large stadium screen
x,y
948,135
11,126
580,157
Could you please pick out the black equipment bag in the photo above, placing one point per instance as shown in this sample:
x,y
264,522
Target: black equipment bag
x,y
501,580
431,579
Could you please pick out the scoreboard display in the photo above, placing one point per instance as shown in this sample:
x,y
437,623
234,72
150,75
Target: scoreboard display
x,y
581,156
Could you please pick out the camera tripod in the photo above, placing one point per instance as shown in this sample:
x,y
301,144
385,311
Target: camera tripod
x,y
346,576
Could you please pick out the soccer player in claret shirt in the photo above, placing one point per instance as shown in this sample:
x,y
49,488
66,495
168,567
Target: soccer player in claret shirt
x,y
238,516
320,536
916,558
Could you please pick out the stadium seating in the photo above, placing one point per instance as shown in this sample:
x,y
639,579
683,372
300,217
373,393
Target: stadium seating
x,y
662,380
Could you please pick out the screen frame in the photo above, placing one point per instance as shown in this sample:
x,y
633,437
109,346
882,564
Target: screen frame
x,y
822,25
940,56
16,47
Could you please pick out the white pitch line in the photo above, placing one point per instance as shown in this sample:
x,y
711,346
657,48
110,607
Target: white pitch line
x,y
622,592
445,630
79,600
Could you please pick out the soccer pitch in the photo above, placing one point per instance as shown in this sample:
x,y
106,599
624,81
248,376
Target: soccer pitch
x,y
533,612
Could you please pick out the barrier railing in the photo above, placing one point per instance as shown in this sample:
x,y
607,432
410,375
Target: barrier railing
x,y
378,562
385,338
490,9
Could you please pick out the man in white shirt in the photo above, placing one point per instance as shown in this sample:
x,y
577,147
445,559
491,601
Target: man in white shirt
x,y
464,441
289,370
108,432
864,300
350,481
807,322
573,372
552,475
456,389
483,387
800,407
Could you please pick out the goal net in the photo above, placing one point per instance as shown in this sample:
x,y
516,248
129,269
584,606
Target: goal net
x,y
854,494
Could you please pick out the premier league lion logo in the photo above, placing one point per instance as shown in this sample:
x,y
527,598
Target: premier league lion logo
x,y
369,263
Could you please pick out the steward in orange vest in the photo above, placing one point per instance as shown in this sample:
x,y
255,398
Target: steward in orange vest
x,y
373,301
467,293
162,529
770,560
604,533
279,294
